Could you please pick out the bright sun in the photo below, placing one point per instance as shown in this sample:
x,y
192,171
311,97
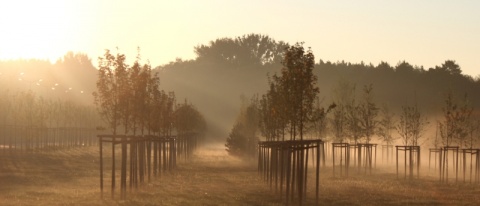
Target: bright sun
x,y
35,29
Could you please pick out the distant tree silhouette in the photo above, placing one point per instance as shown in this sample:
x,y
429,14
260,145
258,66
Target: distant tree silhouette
x,y
237,141
188,119
247,50
242,140
450,67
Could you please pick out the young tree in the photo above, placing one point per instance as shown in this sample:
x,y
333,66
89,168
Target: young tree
x,y
168,113
273,113
125,104
298,83
153,96
319,123
386,125
353,127
454,128
237,141
411,125
188,119
338,123
419,125
243,138
139,79
290,100
473,126
344,97
107,96
436,140
368,112
268,118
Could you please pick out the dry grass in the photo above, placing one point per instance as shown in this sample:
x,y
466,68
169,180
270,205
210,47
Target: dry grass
x,y
70,177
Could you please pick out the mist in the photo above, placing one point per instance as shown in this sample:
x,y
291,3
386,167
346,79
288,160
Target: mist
x,y
224,128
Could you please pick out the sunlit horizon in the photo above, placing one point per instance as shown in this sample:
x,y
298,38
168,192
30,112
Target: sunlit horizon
x,y
422,33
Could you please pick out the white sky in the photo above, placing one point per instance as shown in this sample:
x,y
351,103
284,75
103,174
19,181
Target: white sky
x,y
426,32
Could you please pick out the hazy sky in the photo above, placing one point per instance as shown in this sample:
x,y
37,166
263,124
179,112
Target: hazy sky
x,y
425,32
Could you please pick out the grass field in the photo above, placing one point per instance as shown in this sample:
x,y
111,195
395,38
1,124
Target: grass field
x,y
211,177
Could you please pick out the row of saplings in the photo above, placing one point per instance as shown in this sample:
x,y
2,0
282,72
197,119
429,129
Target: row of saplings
x,y
296,126
156,130
31,123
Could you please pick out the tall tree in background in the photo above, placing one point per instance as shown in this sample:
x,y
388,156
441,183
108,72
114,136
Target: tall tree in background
x,y
450,67
247,50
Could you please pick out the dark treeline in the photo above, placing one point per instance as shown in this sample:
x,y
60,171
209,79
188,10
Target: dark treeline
x,y
402,83
228,68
